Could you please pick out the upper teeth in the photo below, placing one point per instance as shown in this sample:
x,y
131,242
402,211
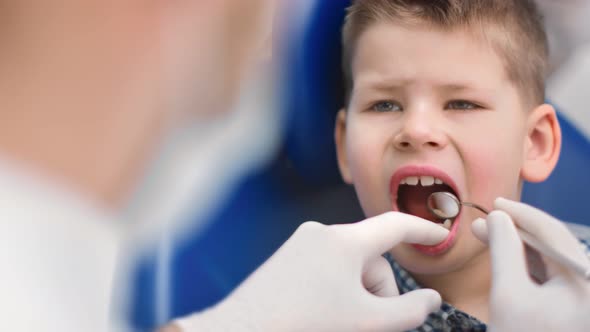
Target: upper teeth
x,y
423,180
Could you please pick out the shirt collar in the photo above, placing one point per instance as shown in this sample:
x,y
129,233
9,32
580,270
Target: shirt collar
x,y
447,318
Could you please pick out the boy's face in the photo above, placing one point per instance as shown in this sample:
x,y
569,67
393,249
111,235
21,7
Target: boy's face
x,y
431,104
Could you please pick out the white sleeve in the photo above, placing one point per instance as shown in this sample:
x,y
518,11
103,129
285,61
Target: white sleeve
x,y
57,271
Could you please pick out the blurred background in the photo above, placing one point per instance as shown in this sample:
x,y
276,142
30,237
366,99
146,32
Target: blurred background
x,y
301,181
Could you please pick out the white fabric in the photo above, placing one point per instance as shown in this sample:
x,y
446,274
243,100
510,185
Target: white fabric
x,y
568,28
567,88
58,256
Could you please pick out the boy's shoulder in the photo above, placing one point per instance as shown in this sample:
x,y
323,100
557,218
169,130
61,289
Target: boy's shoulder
x,y
582,232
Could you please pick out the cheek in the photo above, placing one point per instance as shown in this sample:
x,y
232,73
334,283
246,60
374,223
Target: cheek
x,y
364,160
366,149
365,146
493,169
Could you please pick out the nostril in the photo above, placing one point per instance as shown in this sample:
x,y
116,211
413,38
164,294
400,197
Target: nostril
x,y
404,144
432,144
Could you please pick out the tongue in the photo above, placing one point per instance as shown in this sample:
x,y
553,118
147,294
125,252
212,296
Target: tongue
x,y
412,200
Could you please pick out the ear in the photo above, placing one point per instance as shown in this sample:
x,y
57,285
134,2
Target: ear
x,y
340,138
542,144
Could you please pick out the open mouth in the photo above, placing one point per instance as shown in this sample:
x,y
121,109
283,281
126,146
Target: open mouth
x,y
410,187
411,192
412,195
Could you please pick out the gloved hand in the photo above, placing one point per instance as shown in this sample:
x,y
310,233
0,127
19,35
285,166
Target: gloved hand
x,y
517,303
329,278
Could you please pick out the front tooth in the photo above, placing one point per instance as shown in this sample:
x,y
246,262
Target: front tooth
x,y
403,181
426,181
412,180
438,181
448,223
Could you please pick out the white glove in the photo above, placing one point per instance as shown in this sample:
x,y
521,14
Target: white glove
x,y
329,278
517,303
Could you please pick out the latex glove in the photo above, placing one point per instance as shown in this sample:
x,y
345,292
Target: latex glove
x,y
517,303
329,278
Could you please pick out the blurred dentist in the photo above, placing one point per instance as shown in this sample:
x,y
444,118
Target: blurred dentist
x,y
109,131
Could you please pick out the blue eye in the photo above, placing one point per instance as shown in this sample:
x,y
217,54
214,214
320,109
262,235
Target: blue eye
x,y
462,105
386,106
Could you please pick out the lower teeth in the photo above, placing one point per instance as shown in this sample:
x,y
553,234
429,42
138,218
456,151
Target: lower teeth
x,y
447,224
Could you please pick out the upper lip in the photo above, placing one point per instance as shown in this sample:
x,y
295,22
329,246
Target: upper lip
x,y
419,170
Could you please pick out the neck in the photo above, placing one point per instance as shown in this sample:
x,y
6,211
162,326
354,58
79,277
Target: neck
x,y
467,289
80,104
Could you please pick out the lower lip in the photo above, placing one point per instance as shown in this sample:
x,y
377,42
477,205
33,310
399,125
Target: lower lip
x,y
442,247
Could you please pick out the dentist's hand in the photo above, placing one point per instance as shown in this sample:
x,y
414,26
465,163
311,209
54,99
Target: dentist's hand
x,y
329,278
518,303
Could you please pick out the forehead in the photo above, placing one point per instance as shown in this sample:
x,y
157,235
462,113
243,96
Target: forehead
x,y
388,53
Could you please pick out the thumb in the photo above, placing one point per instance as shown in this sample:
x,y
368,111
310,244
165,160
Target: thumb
x,y
479,228
545,228
509,269
379,279
404,312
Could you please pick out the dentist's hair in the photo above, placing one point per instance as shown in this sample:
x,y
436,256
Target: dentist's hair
x,y
514,28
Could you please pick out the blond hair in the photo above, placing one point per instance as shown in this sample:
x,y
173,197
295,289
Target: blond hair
x,y
514,29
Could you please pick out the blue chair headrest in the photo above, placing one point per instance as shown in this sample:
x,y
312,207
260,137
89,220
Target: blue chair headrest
x,y
316,92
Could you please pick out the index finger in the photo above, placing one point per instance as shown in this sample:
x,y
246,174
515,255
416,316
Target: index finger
x,y
381,233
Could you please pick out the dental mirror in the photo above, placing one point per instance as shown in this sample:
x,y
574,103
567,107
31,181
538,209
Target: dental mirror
x,y
445,205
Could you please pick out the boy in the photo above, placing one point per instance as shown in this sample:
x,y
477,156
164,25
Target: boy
x,y
445,96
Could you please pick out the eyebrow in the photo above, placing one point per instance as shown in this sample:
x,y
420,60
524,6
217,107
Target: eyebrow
x,y
391,85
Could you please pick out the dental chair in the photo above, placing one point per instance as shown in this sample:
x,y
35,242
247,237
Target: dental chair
x,y
303,183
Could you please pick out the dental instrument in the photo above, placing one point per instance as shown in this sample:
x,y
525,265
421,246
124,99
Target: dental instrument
x,y
445,205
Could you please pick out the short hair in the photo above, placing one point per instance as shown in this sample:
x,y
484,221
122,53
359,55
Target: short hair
x,y
514,28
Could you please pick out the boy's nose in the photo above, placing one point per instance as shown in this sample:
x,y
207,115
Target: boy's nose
x,y
420,132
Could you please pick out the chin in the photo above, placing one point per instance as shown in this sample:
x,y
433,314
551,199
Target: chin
x,y
453,260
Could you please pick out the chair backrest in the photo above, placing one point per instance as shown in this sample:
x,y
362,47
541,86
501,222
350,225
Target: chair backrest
x,y
564,194
315,89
